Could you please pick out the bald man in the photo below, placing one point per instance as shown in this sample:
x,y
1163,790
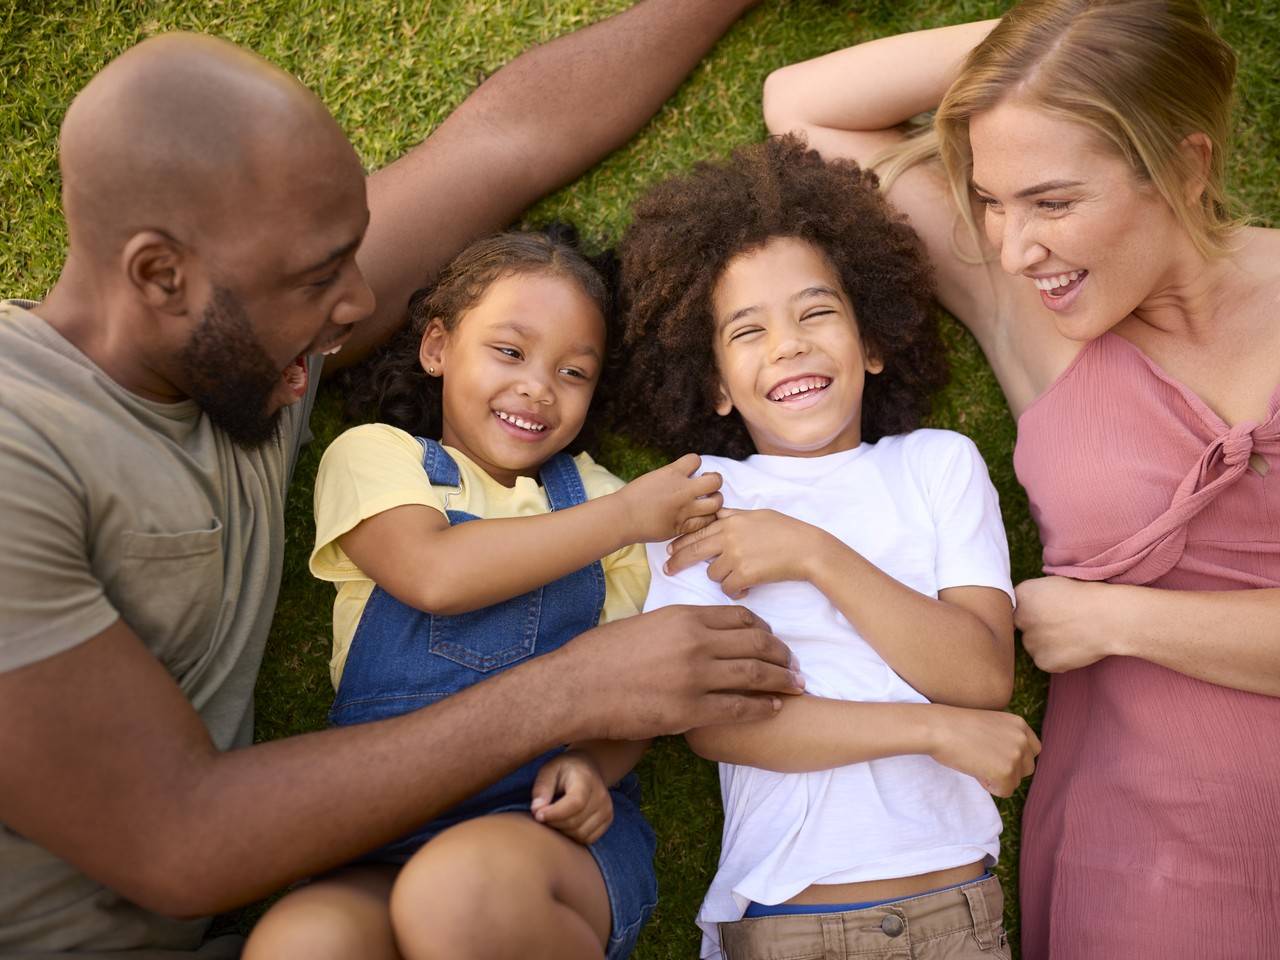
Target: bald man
x,y
222,241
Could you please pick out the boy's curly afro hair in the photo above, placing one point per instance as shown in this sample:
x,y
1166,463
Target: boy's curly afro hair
x,y
685,232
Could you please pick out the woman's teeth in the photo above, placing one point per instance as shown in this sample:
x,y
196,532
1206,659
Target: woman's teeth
x,y
1049,284
522,424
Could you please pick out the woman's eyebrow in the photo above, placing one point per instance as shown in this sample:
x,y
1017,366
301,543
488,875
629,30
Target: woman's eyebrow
x,y
1045,187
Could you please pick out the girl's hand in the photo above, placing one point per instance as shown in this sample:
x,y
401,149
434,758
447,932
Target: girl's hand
x,y
670,501
1062,621
996,749
749,547
570,795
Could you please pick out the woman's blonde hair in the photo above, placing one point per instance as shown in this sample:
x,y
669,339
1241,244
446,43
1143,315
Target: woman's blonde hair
x,y
1142,75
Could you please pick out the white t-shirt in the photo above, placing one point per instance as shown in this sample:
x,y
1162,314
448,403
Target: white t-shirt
x,y
921,508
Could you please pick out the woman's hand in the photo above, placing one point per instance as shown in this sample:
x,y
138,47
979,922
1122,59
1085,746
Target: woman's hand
x,y
749,547
1064,622
570,795
996,749
670,501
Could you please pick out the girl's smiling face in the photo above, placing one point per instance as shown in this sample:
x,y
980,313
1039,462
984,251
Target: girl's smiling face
x,y
788,351
519,368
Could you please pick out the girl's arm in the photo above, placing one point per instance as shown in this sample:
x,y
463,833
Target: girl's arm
x,y
413,553
811,733
615,758
1227,637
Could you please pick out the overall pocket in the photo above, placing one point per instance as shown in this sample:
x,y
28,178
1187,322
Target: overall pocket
x,y
490,638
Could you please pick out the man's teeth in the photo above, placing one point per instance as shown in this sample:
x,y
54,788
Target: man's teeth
x,y
332,350
1061,280
798,386
522,424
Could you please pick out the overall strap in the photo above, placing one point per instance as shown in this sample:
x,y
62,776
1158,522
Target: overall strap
x,y
562,482
441,468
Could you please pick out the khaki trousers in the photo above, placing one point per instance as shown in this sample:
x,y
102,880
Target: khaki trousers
x,y
957,924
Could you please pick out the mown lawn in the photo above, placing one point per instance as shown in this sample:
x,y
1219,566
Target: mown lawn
x,y
390,71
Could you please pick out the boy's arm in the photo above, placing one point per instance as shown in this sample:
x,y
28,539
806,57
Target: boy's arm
x,y
813,733
957,649
537,123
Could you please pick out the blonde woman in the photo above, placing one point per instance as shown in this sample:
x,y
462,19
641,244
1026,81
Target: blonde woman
x,y
1070,192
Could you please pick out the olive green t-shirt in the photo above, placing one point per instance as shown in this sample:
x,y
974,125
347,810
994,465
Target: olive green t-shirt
x,y
112,506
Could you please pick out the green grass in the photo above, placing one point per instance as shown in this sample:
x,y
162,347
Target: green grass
x,y
391,70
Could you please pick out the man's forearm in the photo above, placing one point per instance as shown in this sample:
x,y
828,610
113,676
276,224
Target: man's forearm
x,y
542,120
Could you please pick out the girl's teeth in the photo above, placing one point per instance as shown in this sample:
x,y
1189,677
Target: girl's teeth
x,y
804,386
523,424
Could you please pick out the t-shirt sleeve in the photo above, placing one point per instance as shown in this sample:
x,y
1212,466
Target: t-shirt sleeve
x,y
972,550
50,598
626,572
366,471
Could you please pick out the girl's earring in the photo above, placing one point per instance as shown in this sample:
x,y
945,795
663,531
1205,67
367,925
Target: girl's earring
x,y
431,371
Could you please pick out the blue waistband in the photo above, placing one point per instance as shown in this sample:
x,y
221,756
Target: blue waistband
x,y
792,909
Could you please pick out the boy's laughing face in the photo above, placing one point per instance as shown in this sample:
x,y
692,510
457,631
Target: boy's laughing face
x,y
788,351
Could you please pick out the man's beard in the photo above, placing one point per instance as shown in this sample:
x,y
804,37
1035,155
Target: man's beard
x,y
228,374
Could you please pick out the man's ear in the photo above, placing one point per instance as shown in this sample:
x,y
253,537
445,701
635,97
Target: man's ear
x,y
724,406
431,349
1197,150
157,267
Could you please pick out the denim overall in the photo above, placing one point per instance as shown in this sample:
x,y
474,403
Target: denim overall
x,y
403,658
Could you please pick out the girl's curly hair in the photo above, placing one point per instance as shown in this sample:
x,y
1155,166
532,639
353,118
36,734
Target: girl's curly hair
x,y
396,389
687,230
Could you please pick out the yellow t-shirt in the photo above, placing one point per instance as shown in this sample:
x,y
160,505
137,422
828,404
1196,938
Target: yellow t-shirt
x,y
372,468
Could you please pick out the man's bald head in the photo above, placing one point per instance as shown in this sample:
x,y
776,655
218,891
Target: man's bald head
x,y
188,134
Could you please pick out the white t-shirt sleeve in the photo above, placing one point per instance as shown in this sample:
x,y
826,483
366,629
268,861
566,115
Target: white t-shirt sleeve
x,y
972,550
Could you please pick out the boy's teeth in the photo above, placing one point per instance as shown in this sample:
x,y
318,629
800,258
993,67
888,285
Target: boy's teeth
x,y
1061,280
523,424
798,386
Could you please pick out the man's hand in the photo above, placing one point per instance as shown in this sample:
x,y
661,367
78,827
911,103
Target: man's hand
x,y
669,501
996,749
570,795
1062,622
676,668
749,547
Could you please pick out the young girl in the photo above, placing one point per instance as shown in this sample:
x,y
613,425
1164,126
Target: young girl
x,y
555,859
775,304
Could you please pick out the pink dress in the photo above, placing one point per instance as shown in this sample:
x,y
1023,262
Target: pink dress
x,y
1152,829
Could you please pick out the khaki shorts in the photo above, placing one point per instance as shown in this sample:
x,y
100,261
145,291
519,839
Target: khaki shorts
x,y
956,924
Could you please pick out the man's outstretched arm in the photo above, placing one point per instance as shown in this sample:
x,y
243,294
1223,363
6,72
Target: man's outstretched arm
x,y
540,121
104,762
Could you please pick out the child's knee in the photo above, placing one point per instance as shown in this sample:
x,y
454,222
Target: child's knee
x,y
464,892
325,922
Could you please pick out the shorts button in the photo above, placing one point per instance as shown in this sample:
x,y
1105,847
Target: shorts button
x,y
891,926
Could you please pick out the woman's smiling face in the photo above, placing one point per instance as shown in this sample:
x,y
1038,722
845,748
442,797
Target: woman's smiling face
x,y
788,351
1070,217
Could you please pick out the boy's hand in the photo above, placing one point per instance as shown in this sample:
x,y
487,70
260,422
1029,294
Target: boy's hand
x,y
996,749
749,547
670,501
570,795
